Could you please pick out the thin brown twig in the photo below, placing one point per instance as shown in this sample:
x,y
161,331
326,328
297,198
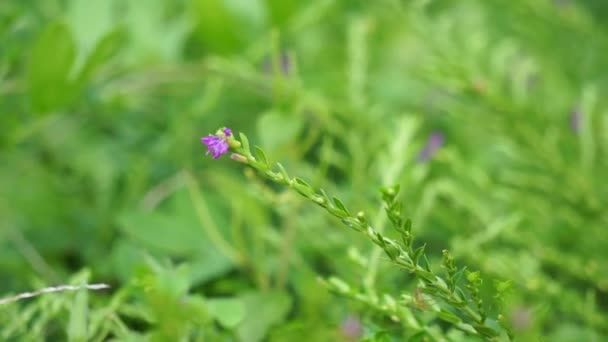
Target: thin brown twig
x,y
51,289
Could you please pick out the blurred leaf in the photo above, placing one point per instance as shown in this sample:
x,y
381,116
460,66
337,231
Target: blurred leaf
x,y
263,310
418,337
50,67
153,34
177,232
381,336
125,257
229,312
104,49
280,11
276,129
90,21
77,328
162,231
216,29
448,316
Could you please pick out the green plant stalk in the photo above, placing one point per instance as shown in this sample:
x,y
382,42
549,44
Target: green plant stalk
x,y
392,171
208,225
406,258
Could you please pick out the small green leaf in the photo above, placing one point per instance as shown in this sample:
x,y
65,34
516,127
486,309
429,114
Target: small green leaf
x,y
326,198
380,239
391,249
440,283
406,237
303,188
427,277
302,182
418,253
466,328
458,275
426,264
283,171
341,206
485,331
459,293
245,142
261,156
407,226
448,316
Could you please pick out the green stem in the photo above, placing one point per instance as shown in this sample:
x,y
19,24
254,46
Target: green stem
x,y
404,135
202,212
406,258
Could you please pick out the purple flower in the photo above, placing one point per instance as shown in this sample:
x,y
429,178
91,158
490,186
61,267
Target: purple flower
x,y
217,144
352,328
522,318
285,64
576,118
433,144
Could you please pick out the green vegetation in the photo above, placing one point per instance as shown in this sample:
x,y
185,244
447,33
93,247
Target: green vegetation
x,y
449,162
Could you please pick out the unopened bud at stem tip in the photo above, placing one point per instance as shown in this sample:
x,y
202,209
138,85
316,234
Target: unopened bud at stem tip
x,y
239,158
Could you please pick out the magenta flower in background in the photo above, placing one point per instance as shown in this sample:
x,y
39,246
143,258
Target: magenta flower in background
x,y
217,144
351,328
285,64
433,144
522,318
576,118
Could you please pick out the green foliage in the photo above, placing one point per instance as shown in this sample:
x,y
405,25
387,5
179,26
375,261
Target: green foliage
x,y
49,73
442,288
488,115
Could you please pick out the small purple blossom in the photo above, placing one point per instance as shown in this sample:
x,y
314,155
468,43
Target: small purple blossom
x,y
217,144
522,318
433,144
351,328
532,81
576,119
285,64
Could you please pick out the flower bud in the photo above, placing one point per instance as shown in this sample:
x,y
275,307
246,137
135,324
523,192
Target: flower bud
x,y
239,158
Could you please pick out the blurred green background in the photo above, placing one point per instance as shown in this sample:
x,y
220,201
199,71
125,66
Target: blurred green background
x,y
103,177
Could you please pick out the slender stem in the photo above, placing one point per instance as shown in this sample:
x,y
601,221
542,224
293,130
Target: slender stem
x,y
396,164
52,289
202,212
289,236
